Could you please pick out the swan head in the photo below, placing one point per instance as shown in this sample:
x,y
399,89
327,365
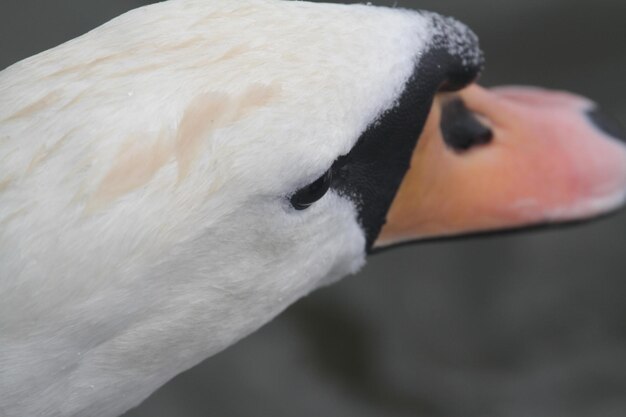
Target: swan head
x,y
177,177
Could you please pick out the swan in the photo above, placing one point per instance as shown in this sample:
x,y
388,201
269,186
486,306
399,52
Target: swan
x,y
174,179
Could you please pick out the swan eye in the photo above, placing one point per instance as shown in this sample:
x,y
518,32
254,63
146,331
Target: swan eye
x,y
308,195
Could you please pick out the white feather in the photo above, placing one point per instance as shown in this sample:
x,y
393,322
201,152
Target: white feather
x,y
143,174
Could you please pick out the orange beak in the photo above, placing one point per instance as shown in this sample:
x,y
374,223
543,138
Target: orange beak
x,y
545,161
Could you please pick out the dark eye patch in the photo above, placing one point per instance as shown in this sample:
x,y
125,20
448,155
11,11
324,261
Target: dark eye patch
x,y
460,127
371,173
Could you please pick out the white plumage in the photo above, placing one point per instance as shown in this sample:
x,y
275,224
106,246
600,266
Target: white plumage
x,y
143,174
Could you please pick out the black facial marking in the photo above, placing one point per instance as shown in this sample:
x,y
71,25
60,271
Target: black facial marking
x,y
606,124
372,172
460,128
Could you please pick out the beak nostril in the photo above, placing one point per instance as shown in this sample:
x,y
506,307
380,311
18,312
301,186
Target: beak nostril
x,y
460,127
606,124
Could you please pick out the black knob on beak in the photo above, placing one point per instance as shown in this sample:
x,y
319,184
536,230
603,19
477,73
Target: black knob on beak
x,y
456,52
606,124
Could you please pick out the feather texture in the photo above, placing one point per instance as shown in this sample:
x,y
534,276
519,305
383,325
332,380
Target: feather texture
x,y
143,174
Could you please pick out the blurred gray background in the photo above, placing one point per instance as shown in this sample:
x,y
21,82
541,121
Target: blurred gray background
x,y
509,326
